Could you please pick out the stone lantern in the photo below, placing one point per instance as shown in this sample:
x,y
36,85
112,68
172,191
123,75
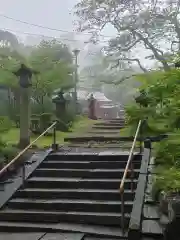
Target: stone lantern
x,y
60,102
25,82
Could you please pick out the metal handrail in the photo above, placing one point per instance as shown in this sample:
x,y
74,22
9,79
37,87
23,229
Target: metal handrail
x,y
25,149
129,158
129,165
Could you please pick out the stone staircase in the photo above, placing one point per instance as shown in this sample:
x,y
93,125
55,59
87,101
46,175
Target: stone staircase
x,y
76,190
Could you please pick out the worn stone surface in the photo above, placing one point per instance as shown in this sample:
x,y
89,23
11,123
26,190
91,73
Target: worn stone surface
x,y
120,153
151,212
63,236
135,220
10,188
163,220
151,227
21,236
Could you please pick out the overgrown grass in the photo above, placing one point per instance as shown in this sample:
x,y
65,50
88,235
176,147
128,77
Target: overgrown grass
x,y
12,136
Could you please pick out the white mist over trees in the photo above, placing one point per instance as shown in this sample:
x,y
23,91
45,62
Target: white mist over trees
x,y
150,26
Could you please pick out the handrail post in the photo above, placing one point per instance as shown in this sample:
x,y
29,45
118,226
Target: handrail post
x,y
54,145
23,173
122,212
54,135
132,175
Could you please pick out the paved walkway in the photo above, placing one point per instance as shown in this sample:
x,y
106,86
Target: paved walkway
x,y
41,236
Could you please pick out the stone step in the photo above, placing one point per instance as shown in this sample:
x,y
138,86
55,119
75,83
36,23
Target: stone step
x,y
92,156
107,127
106,146
90,137
120,120
88,164
43,182
91,194
69,205
108,219
101,231
103,132
108,123
24,236
84,173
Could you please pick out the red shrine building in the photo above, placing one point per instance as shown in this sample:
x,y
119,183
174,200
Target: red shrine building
x,y
104,107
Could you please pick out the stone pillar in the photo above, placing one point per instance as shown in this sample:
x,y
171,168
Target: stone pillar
x,y
25,117
24,74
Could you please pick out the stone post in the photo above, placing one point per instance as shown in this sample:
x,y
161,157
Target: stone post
x,y
24,74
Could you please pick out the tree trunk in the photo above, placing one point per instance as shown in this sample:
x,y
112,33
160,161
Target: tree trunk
x,y
24,140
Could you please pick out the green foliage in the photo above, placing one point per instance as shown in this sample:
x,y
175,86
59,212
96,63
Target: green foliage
x,y
45,121
47,106
9,153
167,152
53,62
66,121
5,124
166,180
163,116
6,152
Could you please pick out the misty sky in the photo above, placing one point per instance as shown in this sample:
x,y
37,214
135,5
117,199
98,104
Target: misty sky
x,y
51,13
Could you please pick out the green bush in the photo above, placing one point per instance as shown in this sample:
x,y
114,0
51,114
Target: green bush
x,y
5,124
162,111
66,120
45,121
47,106
166,180
9,153
167,152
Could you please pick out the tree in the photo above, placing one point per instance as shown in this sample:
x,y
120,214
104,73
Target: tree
x,y
101,76
149,26
162,91
53,61
9,61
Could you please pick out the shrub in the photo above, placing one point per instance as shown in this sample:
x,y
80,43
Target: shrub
x,y
9,152
166,180
45,121
5,124
47,106
167,152
66,121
